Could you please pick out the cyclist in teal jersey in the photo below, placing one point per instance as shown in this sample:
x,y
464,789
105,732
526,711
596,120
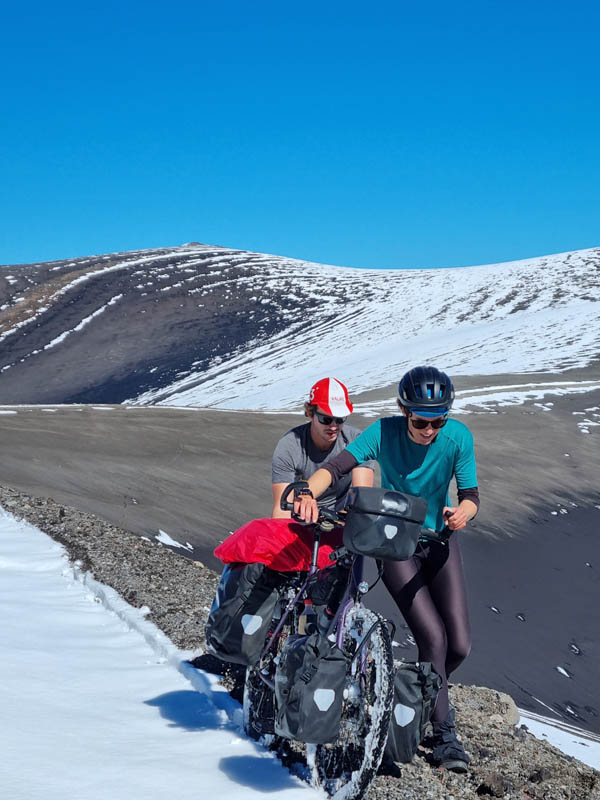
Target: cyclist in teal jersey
x,y
419,453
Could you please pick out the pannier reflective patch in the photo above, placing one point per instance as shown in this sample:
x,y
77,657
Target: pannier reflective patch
x,y
403,715
251,623
390,531
324,698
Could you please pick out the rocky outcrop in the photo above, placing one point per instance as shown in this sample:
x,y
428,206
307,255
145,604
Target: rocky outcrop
x,y
506,760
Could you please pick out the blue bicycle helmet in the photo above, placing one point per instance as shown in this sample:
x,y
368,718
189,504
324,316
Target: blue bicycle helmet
x,y
426,391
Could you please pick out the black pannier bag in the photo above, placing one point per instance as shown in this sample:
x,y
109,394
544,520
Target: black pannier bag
x,y
383,523
241,612
309,686
416,688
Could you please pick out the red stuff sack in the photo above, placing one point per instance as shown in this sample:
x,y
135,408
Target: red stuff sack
x,y
281,544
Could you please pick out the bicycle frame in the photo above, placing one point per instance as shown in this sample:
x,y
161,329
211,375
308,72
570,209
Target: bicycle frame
x,y
338,621
352,593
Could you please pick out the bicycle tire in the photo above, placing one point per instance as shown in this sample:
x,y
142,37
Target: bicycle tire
x,y
346,767
258,709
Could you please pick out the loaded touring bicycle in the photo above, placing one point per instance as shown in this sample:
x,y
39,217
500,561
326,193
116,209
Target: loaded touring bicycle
x,y
320,668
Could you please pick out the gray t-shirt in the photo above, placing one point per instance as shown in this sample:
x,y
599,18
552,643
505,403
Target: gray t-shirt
x,y
296,458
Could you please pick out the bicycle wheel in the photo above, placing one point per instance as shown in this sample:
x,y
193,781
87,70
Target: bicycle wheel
x,y
346,767
258,709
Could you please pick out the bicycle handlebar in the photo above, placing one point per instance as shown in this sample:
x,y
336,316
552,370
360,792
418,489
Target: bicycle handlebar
x,y
326,518
429,535
291,487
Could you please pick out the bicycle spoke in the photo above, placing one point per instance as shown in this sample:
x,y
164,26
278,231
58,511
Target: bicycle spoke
x,y
351,762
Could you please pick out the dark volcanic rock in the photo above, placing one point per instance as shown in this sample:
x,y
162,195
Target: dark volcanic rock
x,y
108,328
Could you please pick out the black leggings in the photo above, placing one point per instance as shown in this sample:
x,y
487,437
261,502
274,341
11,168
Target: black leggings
x,y
429,590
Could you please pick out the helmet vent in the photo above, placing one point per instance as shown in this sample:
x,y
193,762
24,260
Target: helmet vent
x,y
426,386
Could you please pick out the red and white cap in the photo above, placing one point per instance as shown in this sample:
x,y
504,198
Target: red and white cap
x,y
331,396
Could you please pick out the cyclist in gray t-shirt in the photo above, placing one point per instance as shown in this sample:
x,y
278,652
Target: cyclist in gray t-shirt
x,y
304,449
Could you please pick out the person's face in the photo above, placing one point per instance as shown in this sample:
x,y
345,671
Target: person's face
x,y
423,430
325,428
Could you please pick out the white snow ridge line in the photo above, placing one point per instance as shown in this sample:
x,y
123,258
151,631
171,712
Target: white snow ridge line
x,y
87,277
83,322
228,709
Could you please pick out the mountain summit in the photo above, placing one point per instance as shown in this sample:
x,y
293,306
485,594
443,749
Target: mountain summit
x,y
206,325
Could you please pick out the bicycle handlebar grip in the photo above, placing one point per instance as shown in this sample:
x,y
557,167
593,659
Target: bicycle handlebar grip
x,y
284,505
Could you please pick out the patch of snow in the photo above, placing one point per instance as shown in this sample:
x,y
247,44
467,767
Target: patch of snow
x,y
164,538
567,738
83,322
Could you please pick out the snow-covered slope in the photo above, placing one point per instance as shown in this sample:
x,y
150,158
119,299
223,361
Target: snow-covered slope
x,y
538,315
97,702
201,325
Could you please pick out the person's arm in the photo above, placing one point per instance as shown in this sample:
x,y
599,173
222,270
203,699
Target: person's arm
x,y
364,448
362,476
465,472
283,471
277,512
456,517
306,506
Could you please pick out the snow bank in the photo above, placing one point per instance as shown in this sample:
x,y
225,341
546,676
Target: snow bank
x,y
98,703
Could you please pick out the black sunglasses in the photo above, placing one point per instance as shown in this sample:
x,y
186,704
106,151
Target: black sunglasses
x,y
421,424
325,420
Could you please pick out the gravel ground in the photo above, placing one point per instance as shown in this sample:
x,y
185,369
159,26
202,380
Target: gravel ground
x,y
507,762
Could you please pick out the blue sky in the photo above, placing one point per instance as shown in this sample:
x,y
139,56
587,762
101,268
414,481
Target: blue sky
x,y
388,134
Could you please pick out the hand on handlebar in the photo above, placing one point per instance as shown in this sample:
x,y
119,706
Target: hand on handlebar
x,y
306,508
455,518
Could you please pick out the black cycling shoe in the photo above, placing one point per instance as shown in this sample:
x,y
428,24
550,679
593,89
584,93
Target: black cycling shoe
x,y
448,752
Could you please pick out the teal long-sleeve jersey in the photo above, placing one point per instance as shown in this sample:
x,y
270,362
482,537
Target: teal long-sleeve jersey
x,y
422,470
